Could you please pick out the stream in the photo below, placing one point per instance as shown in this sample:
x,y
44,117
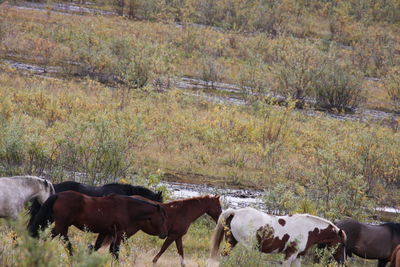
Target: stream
x,y
232,198
61,8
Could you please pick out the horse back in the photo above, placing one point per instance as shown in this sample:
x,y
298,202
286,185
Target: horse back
x,y
97,214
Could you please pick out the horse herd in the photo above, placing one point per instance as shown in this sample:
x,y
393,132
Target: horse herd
x,y
117,211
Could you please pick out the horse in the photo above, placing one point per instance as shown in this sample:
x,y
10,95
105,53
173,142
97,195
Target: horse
x,y
180,214
15,191
292,235
96,191
395,259
116,216
371,241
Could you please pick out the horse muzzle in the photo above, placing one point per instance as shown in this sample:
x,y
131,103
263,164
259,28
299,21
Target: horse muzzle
x,y
163,235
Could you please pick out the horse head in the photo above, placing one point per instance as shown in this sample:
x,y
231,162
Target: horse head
x,y
214,208
340,252
47,189
155,223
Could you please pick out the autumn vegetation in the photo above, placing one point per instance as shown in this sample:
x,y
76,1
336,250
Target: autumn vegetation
x,y
107,107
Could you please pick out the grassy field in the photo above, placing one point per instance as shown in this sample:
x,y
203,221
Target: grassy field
x,y
111,111
18,249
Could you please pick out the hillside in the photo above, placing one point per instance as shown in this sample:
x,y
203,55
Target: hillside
x,y
297,98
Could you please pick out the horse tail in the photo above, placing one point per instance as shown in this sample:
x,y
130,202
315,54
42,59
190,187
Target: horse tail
x,y
219,233
43,217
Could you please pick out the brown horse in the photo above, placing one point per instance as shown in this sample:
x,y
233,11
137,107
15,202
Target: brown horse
x,y
180,214
114,215
395,259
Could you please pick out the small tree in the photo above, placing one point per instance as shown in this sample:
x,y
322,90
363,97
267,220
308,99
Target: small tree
x,y
298,67
337,87
392,86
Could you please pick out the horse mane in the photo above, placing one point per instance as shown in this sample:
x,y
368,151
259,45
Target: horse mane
x,y
394,227
28,177
130,188
138,200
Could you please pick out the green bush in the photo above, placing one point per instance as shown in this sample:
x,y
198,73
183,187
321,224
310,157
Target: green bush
x,y
242,256
337,87
12,148
298,67
392,86
210,71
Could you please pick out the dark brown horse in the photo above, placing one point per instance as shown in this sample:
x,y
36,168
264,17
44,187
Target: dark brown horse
x,y
371,241
180,214
114,216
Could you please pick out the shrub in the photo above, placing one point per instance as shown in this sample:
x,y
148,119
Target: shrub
x,y
298,67
98,150
210,71
337,87
374,54
392,86
242,256
252,78
12,148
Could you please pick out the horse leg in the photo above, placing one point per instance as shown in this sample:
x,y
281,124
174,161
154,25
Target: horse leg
x,y
382,263
98,243
114,247
179,246
164,247
63,232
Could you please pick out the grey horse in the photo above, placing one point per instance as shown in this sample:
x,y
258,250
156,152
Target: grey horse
x,y
15,191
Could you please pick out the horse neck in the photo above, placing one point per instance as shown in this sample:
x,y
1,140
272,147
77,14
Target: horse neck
x,y
193,208
32,189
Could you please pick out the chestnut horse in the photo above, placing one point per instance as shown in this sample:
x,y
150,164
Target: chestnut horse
x,y
180,214
114,215
395,259
292,235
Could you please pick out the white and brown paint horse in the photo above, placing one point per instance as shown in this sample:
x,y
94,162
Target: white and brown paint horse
x,y
15,191
292,235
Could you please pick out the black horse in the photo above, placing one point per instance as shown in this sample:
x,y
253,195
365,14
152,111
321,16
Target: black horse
x,y
371,241
96,191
